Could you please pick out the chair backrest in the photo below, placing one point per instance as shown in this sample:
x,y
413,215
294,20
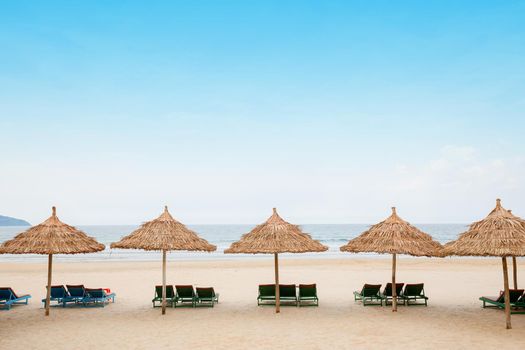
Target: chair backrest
x,y
77,291
388,289
515,295
370,290
95,292
170,293
414,290
307,290
7,293
185,291
59,292
267,290
287,290
205,292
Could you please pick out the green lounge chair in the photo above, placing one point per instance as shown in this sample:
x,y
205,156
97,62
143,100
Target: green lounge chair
x,y
414,292
387,293
60,295
288,294
97,297
9,298
185,296
516,298
206,296
308,295
266,294
170,295
369,295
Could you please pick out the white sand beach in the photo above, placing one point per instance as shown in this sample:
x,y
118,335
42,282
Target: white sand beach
x,y
454,318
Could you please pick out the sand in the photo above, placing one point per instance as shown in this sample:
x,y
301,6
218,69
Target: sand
x,y
454,318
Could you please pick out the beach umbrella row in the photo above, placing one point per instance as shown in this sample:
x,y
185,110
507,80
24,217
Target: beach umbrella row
x,y
500,234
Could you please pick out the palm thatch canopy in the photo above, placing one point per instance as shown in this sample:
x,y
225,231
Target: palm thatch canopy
x,y
394,236
500,234
164,233
276,236
51,237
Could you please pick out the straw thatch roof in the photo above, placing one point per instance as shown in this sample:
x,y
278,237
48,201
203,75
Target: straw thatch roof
x,y
276,236
394,236
51,237
500,234
164,233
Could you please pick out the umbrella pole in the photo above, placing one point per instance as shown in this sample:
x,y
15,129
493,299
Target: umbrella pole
x,y
164,282
48,293
515,272
277,294
394,289
507,293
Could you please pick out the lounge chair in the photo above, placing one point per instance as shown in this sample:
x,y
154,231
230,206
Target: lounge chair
x,y
387,293
516,298
369,293
414,292
60,295
308,295
76,292
170,295
8,298
288,294
206,296
97,297
185,294
266,294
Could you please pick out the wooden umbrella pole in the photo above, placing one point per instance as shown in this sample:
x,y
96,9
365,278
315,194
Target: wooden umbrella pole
x,y
277,294
49,271
394,289
507,293
515,272
164,282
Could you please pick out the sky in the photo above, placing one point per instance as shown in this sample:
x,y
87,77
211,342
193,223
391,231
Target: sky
x,y
331,111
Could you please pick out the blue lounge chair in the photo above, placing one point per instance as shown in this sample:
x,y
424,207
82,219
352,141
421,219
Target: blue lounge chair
x,y
97,297
60,295
8,297
76,292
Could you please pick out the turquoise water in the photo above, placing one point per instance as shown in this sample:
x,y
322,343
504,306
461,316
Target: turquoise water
x,y
222,236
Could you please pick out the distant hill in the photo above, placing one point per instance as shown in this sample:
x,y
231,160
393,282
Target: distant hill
x,y
8,221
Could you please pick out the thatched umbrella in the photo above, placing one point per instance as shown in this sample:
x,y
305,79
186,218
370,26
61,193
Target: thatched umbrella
x,y
273,237
51,237
394,236
500,234
164,234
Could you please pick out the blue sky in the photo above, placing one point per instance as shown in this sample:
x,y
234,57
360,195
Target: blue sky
x,y
331,111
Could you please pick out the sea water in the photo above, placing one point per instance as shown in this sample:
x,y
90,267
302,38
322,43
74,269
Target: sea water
x,y
331,235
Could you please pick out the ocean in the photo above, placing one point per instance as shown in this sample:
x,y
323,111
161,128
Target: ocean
x,y
222,236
